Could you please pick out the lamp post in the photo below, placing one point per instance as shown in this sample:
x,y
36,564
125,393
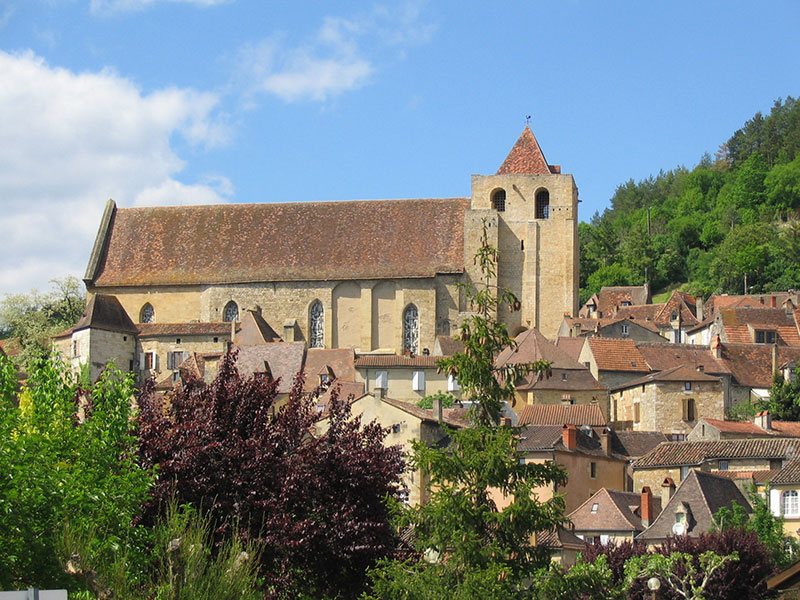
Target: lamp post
x,y
653,584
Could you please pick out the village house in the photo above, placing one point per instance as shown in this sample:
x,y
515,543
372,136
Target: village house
x,y
612,516
406,378
611,298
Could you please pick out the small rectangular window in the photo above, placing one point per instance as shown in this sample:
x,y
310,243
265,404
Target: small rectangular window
x,y
593,470
724,465
624,330
687,386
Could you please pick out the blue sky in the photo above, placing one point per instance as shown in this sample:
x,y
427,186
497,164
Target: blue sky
x,y
196,101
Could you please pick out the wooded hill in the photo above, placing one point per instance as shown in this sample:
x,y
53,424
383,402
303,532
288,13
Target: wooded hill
x,y
733,220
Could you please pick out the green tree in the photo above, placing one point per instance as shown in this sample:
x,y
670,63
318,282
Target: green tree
x,y
783,186
35,316
587,580
784,398
475,531
67,456
447,400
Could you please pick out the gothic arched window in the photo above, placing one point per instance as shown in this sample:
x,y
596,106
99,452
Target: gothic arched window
x,y
411,329
316,325
499,200
147,314
230,312
542,204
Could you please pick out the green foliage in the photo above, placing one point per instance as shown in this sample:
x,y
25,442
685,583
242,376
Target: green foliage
x,y
35,316
712,225
784,398
678,571
67,454
768,527
587,580
447,400
482,381
475,530
184,563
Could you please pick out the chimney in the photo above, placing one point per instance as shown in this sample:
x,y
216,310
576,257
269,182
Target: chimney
x,y
667,489
576,330
605,441
774,358
505,421
772,301
700,307
437,409
764,420
716,346
289,327
646,510
569,437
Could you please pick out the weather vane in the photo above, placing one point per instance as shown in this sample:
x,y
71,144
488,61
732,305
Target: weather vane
x,y
528,120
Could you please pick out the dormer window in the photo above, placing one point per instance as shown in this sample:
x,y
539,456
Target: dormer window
x,y
499,200
765,337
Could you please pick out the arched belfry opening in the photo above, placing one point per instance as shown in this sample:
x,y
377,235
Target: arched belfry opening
x,y
499,200
543,204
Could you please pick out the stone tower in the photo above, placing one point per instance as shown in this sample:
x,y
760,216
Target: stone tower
x,y
532,211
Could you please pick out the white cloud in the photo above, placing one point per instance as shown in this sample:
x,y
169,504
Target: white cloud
x,y
333,61
69,142
111,6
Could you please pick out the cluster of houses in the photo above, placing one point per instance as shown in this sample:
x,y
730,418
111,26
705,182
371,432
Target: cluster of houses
x,y
634,406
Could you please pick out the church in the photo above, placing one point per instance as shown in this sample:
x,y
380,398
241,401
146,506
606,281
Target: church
x,y
378,276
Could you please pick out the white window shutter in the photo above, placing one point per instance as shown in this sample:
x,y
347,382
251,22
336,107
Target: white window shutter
x,y
141,361
155,361
775,502
381,380
452,384
418,381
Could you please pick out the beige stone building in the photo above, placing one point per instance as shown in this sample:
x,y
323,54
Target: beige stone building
x,y
373,275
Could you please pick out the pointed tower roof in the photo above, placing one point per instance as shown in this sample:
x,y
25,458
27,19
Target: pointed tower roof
x,y
526,158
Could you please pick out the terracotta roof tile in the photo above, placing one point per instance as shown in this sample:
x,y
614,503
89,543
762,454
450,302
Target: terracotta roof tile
x,y
739,323
526,157
695,453
447,345
105,312
450,416
612,297
613,512
233,243
340,360
162,329
758,477
558,539
751,364
613,354
284,360
786,428
572,346
546,414
395,360
790,473
549,437
738,427
661,357
634,444
567,380
680,373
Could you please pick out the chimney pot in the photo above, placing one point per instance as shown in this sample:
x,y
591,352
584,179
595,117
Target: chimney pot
x,y
646,510
605,441
437,409
667,489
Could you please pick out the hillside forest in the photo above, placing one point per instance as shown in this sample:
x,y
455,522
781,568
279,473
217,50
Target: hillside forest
x,y
730,222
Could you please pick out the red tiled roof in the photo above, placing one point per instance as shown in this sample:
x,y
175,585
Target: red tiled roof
x,y
613,354
661,357
532,346
680,373
682,303
395,360
754,476
450,416
547,414
283,359
159,329
526,157
572,346
751,364
790,473
292,241
735,427
643,312
340,360
611,297
786,428
739,323
695,453
616,511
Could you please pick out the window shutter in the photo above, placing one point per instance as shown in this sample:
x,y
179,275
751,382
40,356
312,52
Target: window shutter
x,y
141,361
418,381
452,384
381,380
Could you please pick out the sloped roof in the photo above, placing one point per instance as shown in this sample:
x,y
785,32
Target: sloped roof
x,y
533,438
341,360
559,539
612,297
615,354
575,414
525,157
284,360
566,380
640,312
751,364
105,312
450,416
737,427
254,330
447,345
532,346
633,444
786,428
682,303
680,373
396,360
790,473
291,241
738,324
348,391
571,346
661,357
674,454
171,329
616,511
704,494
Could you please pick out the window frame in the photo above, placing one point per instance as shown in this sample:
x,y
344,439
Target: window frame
x,y
790,499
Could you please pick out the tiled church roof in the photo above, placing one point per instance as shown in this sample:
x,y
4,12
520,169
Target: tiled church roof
x,y
298,241
526,157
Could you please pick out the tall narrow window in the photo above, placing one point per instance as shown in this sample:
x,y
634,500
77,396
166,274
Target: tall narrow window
x,y
230,312
411,329
499,200
147,314
316,325
542,204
